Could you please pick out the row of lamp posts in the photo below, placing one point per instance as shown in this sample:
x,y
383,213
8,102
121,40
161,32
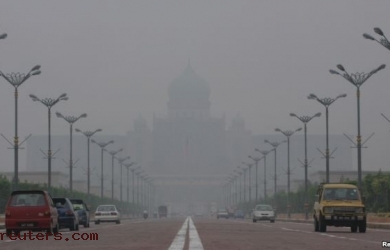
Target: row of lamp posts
x,y
16,80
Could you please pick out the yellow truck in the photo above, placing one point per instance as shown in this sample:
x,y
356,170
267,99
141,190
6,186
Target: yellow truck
x,y
339,205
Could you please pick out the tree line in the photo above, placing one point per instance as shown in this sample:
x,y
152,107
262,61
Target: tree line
x,y
92,201
375,187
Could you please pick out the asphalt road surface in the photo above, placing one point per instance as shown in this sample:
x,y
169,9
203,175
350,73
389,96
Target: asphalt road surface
x,y
201,233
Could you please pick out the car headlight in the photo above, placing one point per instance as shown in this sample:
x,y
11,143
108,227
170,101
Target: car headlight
x,y
359,210
328,210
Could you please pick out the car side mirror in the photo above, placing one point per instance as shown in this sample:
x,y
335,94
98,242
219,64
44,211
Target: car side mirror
x,y
364,199
317,197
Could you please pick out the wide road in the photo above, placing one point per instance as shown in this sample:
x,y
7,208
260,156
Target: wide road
x,y
202,233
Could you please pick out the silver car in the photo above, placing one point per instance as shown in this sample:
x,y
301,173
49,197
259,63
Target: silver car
x,y
263,212
107,213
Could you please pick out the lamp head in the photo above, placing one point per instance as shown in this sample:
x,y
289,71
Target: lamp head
x,y
367,36
34,98
342,95
292,114
58,114
36,67
278,130
379,31
3,36
299,129
340,67
98,130
318,114
334,72
77,130
312,96
36,73
93,141
112,141
83,115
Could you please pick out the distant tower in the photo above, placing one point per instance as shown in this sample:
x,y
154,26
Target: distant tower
x,y
189,96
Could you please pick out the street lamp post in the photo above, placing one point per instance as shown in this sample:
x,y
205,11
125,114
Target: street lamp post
x,y
127,166
133,182
49,103
274,145
357,80
305,120
102,145
17,79
113,153
244,170
326,102
71,120
249,165
288,133
239,178
383,40
121,162
264,153
256,160
88,134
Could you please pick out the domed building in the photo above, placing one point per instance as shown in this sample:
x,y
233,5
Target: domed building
x,y
189,153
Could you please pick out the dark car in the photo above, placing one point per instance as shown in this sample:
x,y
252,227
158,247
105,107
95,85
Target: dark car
x,y
239,214
67,216
81,208
30,210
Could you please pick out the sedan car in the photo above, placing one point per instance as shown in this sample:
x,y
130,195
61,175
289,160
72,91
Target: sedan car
x,y
222,213
264,212
67,216
81,208
107,213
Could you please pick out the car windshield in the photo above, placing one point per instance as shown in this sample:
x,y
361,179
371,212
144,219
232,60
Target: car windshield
x,y
263,208
106,208
28,199
340,194
78,206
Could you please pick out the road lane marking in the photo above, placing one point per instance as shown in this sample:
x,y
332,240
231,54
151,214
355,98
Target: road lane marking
x,y
195,242
180,239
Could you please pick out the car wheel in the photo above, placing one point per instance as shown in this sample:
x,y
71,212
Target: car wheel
x,y
8,232
354,229
272,221
322,225
118,222
73,226
363,226
77,227
254,220
316,226
49,231
217,217
97,222
56,228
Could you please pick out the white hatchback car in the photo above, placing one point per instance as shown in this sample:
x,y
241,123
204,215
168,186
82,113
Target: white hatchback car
x,y
107,213
264,212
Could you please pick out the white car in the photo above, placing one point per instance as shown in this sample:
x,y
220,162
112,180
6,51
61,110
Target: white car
x,y
264,212
107,213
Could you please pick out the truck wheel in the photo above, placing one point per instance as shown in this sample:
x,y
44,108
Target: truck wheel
x,y
363,226
322,224
316,226
354,229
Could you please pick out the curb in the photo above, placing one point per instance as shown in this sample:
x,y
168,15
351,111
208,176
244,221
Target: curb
x,y
369,224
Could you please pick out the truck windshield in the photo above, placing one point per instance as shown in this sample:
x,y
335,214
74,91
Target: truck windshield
x,y
340,194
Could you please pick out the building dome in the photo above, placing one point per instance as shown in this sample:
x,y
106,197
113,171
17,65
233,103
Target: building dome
x,y
189,86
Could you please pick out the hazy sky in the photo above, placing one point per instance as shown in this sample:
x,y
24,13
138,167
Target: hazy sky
x,y
116,59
